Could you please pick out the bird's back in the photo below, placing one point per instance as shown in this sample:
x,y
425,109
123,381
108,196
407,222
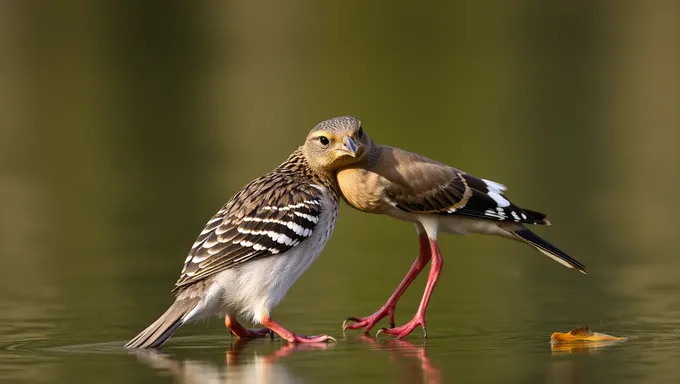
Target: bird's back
x,y
403,184
387,172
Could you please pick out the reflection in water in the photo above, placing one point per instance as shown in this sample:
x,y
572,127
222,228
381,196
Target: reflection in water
x,y
582,347
400,352
246,365
237,367
568,371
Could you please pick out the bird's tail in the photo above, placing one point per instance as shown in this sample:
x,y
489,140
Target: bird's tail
x,y
525,235
160,331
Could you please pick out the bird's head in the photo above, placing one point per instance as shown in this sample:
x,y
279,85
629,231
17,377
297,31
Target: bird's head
x,y
337,143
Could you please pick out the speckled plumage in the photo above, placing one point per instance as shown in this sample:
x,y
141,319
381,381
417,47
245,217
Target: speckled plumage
x,y
289,194
254,248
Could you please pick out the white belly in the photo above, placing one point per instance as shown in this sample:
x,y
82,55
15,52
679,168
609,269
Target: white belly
x,y
462,225
455,224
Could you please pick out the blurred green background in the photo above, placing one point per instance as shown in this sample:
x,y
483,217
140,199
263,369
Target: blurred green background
x,y
125,125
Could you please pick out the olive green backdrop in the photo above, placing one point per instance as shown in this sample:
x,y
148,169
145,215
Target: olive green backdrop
x,y
125,125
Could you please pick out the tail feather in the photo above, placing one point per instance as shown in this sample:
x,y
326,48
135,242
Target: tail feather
x,y
538,218
162,329
525,235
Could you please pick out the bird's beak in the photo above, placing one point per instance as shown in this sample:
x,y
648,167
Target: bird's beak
x,y
349,146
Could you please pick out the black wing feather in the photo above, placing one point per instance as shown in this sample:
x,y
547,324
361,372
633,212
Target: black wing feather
x,y
469,196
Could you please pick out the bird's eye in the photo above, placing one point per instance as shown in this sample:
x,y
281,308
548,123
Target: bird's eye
x,y
324,140
360,133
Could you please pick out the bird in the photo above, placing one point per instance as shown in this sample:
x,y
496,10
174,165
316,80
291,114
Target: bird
x,y
385,180
253,249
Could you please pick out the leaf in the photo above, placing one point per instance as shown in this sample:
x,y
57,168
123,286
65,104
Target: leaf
x,y
582,334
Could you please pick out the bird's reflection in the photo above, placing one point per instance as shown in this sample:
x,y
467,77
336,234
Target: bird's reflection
x,y
238,367
403,353
245,362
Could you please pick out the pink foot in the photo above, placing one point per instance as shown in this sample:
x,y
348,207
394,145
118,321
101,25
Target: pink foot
x,y
290,336
406,329
300,339
388,309
419,318
244,333
255,333
368,322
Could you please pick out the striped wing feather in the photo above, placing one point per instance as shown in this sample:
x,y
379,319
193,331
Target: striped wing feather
x,y
267,217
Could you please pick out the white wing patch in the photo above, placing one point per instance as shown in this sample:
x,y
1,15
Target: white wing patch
x,y
494,186
496,192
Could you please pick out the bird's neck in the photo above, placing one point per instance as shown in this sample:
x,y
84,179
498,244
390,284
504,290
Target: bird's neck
x,y
298,163
367,161
370,159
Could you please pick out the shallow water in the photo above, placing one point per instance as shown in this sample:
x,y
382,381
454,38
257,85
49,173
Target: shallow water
x,y
125,126
468,340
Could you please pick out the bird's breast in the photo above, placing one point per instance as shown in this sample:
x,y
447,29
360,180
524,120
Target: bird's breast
x,y
361,189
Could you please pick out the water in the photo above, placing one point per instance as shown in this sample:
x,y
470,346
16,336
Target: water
x,y
468,341
124,127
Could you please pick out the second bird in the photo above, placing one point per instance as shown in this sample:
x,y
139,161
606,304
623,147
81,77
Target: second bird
x,y
435,197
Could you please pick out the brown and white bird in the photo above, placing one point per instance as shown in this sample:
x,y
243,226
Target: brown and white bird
x,y
258,244
433,196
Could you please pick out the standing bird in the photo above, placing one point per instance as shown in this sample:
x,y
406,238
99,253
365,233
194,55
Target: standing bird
x,y
258,244
435,197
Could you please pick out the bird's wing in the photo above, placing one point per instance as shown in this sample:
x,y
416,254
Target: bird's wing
x,y
420,185
265,218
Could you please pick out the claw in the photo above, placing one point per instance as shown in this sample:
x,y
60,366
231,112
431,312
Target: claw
x,y
404,330
345,325
299,339
367,323
381,330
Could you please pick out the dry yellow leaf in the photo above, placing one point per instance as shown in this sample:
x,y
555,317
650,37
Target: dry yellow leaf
x,y
582,334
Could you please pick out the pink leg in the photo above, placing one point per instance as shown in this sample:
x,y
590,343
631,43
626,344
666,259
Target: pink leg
x,y
419,318
242,332
290,336
388,309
